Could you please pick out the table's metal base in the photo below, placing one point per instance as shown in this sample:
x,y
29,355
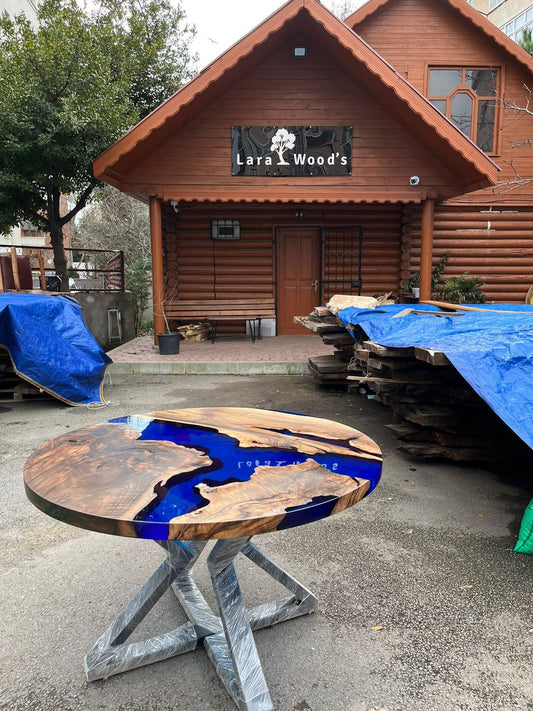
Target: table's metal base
x,y
228,639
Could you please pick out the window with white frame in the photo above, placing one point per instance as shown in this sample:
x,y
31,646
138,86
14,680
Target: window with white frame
x,y
515,27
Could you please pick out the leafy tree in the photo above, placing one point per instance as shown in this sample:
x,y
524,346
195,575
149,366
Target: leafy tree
x,y
138,281
69,87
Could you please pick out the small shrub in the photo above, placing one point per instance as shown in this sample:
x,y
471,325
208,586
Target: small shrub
x,y
414,279
146,328
462,290
437,272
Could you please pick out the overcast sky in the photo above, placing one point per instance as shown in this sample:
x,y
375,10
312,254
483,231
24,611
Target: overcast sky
x,y
220,23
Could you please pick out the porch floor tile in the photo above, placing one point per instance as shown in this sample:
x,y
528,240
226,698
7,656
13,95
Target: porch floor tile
x,y
228,354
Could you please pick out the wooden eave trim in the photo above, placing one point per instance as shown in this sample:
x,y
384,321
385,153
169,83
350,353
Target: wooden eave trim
x,y
369,8
468,12
267,194
416,102
411,99
208,76
366,197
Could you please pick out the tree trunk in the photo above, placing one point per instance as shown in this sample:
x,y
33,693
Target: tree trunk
x,y
56,238
60,259
56,222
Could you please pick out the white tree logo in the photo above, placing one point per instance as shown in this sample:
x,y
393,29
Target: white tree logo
x,y
282,141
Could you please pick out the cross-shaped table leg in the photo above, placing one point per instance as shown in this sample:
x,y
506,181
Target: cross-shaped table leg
x,y
228,639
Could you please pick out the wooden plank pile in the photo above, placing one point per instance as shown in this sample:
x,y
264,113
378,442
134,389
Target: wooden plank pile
x,y
195,331
329,369
12,387
435,412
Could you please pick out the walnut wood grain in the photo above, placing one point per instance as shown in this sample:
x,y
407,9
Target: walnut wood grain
x,y
106,471
260,504
109,478
265,428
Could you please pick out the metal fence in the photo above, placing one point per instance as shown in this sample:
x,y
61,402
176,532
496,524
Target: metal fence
x,y
25,268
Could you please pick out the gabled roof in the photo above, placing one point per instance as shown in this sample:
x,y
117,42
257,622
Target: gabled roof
x,y
464,9
402,100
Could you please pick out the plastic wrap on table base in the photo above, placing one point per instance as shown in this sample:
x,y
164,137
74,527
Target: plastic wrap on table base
x,y
111,656
228,638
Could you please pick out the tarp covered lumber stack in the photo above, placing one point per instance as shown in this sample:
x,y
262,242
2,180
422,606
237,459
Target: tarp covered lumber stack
x,y
50,346
491,348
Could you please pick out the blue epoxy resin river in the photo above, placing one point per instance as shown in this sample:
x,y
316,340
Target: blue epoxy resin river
x,y
227,462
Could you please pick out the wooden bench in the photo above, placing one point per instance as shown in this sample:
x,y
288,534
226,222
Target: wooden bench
x,y
215,310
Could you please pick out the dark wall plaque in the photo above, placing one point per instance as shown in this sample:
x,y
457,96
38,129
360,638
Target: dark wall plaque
x,y
291,150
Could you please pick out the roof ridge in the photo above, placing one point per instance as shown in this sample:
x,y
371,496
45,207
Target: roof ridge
x,y
347,38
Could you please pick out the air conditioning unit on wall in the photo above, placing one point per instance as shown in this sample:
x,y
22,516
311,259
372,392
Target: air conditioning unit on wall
x,y
225,229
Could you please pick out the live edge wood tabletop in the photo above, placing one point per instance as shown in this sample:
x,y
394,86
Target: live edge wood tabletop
x,y
202,473
181,477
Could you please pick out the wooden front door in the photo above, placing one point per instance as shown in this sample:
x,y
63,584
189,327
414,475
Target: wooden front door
x,y
298,277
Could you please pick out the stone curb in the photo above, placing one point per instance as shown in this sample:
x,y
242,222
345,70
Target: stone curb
x,y
208,368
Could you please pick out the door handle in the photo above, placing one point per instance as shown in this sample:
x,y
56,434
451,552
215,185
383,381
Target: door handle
x,y
315,284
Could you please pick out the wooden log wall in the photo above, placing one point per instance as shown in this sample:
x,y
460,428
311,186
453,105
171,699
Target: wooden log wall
x,y
198,267
495,245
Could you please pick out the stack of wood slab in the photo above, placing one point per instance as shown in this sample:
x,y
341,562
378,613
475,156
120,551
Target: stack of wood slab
x,y
435,412
329,369
12,387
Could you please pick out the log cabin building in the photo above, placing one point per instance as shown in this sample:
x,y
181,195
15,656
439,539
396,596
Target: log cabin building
x,y
317,157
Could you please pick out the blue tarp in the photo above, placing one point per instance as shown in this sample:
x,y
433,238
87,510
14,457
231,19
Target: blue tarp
x,y
51,347
492,351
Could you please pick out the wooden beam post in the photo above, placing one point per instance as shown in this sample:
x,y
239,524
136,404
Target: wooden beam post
x,y
40,260
158,283
426,248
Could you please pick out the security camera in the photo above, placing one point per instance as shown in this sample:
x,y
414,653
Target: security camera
x,y
414,180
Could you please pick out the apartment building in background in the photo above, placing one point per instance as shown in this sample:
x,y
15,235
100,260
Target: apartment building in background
x,y
511,16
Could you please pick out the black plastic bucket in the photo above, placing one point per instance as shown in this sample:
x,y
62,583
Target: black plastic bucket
x,y
169,343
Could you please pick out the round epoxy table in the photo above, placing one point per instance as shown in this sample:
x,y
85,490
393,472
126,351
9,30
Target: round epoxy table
x,y
183,477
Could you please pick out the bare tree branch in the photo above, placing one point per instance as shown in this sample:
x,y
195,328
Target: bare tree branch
x,y
520,111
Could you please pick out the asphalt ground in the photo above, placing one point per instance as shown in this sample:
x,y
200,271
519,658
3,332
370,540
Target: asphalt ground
x,y
424,606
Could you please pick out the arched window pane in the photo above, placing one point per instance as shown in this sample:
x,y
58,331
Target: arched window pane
x,y
462,113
